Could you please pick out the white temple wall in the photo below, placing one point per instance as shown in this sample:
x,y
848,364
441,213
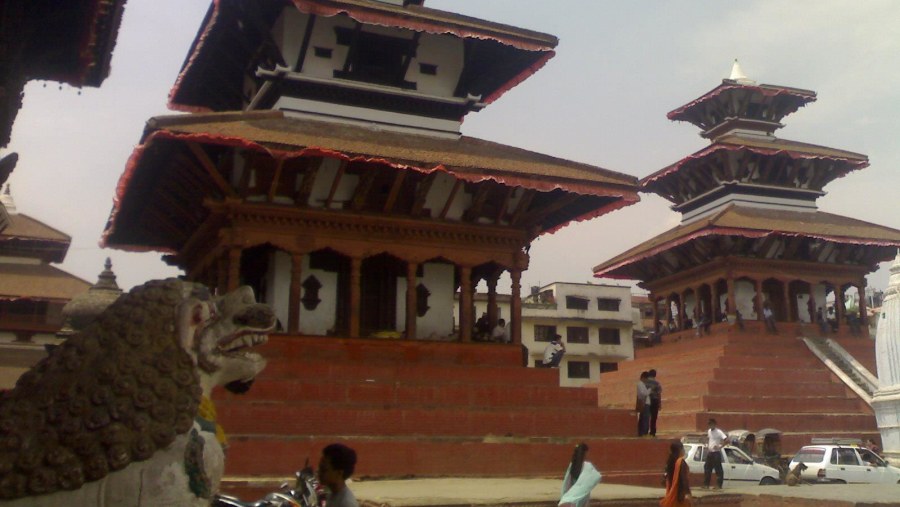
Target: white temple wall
x,y
818,292
744,295
278,286
443,51
321,319
438,321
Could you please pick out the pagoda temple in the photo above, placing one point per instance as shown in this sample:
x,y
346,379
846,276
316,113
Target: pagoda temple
x,y
323,165
752,239
751,234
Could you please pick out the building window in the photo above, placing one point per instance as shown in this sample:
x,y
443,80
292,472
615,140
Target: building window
x,y
607,367
576,303
577,335
609,336
544,333
608,304
375,58
579,369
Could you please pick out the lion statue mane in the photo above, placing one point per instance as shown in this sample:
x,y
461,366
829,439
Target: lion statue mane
x,y
110,417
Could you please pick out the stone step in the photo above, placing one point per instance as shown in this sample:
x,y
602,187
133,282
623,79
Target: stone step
x,y
420,393
622,460
727,403
378,351
304,368
793,422
300,418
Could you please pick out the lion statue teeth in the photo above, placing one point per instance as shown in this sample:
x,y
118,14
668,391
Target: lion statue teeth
x,y
110,417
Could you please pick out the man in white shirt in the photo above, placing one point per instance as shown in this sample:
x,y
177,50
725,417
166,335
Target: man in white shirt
x,y
553,353
500,333
716,439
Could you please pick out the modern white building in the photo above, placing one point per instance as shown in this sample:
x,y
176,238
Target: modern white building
x,y
595,322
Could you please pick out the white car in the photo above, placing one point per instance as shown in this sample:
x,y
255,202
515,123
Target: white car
x,y
739,469
844,464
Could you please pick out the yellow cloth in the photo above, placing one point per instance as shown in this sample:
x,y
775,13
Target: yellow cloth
x,y
208,411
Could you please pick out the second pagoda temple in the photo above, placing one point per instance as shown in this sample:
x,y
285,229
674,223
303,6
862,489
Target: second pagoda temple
x,y
751,234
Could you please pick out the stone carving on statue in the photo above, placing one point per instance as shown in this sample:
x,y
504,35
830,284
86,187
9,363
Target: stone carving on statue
x,y
119,414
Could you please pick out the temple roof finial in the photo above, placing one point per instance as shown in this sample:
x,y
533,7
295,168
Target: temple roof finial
x,y
7,200
737,74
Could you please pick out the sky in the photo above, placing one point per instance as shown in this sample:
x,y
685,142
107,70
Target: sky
x,y
620,67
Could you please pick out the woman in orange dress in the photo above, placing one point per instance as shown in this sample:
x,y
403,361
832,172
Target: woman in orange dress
x,y
678,486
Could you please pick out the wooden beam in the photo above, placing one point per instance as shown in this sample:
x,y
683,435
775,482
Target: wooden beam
x,y
211,170
361,193
335,183
551,208
273,187
453,192
301,198
482,191
790,250
410,54
422,190
501,209
522,206
395,189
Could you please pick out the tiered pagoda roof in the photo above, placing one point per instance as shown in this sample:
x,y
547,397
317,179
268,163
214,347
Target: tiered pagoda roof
x,y
70,42
34,245
750,194
165,170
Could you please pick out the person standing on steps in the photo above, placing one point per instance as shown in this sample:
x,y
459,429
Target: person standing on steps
x,y
642,404
655,400
716,439
769,318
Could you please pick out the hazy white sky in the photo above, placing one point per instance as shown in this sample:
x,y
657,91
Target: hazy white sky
x,y
620,67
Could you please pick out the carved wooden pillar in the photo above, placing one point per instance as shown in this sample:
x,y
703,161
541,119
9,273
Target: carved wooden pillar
x,y
668,312
465,304
295,290
730,299
492,298
839,304
515,307
412,300
788,303
234,269
355,295
861,289
222,268
758,300
682,321
655,302
714,302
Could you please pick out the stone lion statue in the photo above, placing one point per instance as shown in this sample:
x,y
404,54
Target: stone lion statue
x,y
111,416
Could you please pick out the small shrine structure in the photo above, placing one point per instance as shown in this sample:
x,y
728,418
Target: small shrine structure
x,y
323,164
751,234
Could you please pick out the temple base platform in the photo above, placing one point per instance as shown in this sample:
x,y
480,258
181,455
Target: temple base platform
x,y
748,379
422,409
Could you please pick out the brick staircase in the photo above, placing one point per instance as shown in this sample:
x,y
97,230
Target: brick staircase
x,y
424,409
746,380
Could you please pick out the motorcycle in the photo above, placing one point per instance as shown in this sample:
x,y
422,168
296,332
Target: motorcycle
x,y
306,493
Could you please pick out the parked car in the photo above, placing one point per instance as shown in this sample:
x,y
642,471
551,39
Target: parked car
x,y
739,468
844,464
